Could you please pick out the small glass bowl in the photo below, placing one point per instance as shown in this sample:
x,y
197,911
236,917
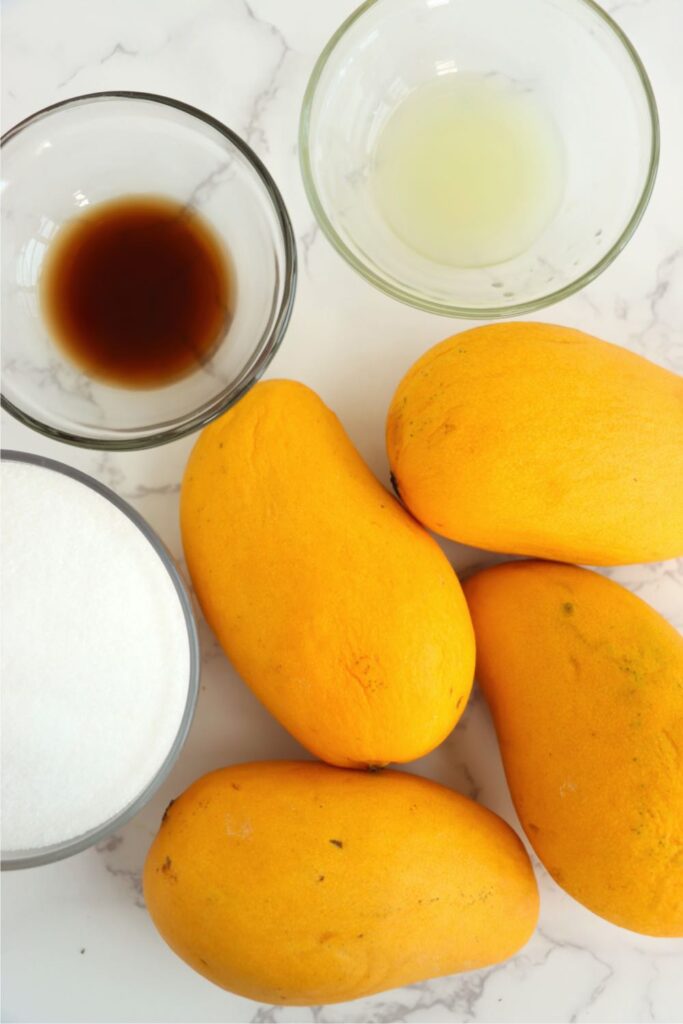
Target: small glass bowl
x,y
57,851
584,71
98,147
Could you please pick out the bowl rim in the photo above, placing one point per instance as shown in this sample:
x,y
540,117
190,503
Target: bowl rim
x,y
268,343
412,298
15,859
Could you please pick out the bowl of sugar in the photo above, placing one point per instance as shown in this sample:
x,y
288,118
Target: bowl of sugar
x,y
479,158
99,661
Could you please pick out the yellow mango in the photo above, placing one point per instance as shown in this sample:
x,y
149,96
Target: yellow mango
x,y
585,684
540,440
336,607
296,883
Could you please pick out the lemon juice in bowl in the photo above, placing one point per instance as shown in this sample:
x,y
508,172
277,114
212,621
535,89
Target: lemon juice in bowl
x,y
469,169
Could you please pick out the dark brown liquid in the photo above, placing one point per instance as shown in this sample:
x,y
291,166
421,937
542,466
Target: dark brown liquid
x,y
137,291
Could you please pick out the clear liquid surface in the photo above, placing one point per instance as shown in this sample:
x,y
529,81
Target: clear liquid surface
x,y
469,170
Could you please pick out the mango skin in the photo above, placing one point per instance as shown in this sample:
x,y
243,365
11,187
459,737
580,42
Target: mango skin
x,y
585,684
534,439
340,612
296,883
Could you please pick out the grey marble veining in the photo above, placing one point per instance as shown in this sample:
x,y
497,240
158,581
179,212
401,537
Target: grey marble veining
x,y
77,942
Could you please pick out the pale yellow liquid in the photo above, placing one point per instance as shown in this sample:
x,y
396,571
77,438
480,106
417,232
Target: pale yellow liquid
x,y
469,171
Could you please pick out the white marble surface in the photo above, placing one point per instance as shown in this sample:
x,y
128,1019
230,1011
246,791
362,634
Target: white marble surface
x,y
77,942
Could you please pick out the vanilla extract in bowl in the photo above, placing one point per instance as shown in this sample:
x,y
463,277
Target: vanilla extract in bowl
x,y
138,291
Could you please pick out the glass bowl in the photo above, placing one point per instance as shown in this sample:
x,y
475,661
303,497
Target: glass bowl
x,y
580,67
48,854
98,147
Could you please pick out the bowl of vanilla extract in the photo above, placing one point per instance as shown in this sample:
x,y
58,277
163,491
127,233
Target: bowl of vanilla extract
x,y
148,270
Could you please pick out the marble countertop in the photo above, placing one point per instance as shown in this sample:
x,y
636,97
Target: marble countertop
x,y
77,942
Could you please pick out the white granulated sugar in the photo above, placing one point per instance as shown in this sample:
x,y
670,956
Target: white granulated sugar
x,y
95,659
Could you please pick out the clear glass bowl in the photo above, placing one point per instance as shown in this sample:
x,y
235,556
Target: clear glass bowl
x,y
48,854
95,148
584,71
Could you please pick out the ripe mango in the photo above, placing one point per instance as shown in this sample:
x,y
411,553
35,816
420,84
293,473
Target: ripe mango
x,y
297,883
336,607
585,683
541,440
